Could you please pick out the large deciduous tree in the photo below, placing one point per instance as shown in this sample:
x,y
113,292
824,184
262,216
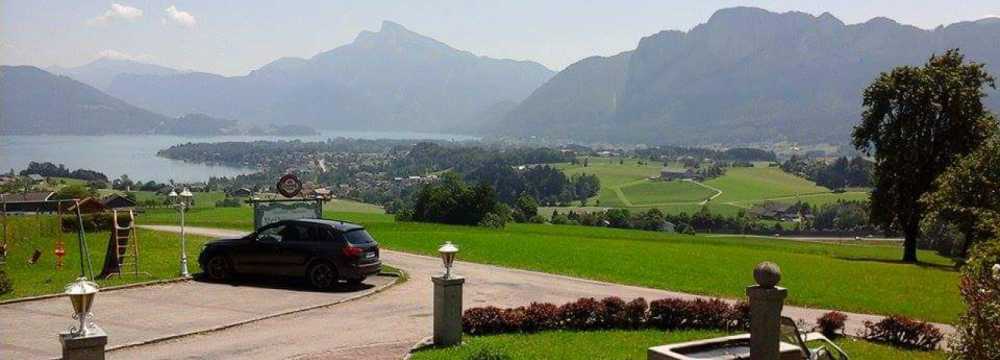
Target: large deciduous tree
x,y
917,121
968,195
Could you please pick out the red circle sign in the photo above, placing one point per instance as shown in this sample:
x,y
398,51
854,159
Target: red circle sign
x,y
289,186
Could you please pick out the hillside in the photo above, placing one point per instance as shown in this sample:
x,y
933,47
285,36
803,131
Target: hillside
x,y
99,73
33,101
390,80
745,75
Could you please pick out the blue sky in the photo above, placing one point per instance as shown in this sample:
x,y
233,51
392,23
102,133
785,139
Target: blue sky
x,y
232,37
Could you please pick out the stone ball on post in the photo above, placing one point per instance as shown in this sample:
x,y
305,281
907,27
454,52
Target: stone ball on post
x,y
767,274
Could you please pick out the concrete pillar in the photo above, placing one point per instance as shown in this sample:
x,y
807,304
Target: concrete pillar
x,y
447,310
766,301
90,347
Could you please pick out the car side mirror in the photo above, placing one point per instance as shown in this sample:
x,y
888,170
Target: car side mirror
x,y
268,239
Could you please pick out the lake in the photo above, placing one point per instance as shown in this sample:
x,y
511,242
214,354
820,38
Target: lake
x,y
135,156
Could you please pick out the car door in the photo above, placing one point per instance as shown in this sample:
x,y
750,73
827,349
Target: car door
x,y
297,247
260,256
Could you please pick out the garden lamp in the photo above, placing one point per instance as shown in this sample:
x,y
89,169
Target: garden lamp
x,y
448,252
82,293
182,201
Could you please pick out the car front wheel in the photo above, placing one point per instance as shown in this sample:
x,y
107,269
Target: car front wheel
x,y
322,275
218,268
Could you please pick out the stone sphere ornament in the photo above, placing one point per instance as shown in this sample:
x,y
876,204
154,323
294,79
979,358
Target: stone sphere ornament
x,y
767,274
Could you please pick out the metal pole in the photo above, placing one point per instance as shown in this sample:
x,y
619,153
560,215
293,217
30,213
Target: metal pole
x,y
184,259
84,252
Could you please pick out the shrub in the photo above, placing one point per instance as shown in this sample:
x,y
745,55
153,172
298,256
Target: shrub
x,y
903,332
513,319
612,313
91,222
229,202
667,313
581,314
5,284
540,316
483,320
708,314
635,313
740,316
488,354
493,221
831,323
977,329
697,314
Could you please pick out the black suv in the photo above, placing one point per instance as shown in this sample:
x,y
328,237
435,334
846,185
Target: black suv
x,y
323,251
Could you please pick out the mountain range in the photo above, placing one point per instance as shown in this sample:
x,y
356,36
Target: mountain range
x,y
392,79
746,75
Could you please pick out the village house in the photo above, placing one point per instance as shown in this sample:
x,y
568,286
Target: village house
x,y
116,201
775,211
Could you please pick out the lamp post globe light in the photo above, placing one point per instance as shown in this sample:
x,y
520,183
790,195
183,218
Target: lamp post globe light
x,y
182,201
81,294
448,252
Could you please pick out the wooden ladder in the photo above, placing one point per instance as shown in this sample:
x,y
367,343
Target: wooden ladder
x,y
126,245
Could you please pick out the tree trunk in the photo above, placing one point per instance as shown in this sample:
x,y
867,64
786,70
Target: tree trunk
x,y
910,243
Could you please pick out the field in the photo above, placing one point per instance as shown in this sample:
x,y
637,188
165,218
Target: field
x,y
160,256
619,344
628,185
859,278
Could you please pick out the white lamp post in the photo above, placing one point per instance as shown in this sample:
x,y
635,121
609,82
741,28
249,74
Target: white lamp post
x,y
448,252
182,202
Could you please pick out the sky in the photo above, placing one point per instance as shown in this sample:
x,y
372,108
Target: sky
x,y
233,37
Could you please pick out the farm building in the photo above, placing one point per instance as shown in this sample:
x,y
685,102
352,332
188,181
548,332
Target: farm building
x,y
28,202
775,211
668,174
116,201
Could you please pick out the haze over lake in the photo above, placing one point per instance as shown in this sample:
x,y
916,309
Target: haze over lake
x,y
115,155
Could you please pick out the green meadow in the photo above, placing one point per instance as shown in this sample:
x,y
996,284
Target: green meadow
x,y
159,256
629,185
848,277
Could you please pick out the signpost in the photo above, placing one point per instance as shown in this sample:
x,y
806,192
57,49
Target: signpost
x,y
267,211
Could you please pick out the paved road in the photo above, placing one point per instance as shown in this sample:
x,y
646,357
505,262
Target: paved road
x,y
28,330
385,325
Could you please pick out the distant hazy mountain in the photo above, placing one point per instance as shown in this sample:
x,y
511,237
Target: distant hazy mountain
x,y
33,101
36,102
746,75
100,72
390,79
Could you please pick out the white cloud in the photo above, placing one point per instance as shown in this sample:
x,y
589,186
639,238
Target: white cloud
x,y
117,12
181,18
121,55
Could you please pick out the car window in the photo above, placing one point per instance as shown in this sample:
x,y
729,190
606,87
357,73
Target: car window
x,y
358,237
277,231
296,233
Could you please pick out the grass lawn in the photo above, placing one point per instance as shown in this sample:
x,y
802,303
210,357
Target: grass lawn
x,y
628,186
343,205
160,257
621,344
859,278
201,199
656,192
759,183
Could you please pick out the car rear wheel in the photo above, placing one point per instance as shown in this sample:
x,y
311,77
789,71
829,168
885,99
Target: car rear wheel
x,y
322,275
218,268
